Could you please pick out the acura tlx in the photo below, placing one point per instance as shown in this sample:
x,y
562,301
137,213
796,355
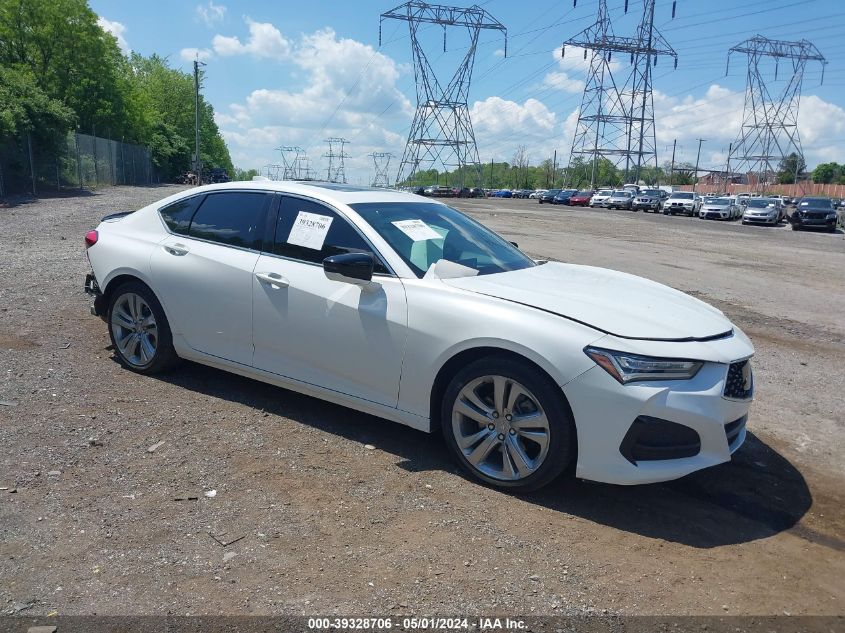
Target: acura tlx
x,y
402,307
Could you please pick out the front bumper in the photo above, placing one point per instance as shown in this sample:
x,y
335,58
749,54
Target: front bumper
x,y
760,219
711,214
814,222
679,208
615,425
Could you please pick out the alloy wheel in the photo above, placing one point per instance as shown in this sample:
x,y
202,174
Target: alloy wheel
x,y
135,329
501,428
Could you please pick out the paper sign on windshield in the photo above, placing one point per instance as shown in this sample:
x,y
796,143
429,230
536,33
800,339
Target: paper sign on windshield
x,y
310,230
417,230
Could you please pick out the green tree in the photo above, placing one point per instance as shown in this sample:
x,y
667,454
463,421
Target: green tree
x,y
827,172
789,166
25,108
70,58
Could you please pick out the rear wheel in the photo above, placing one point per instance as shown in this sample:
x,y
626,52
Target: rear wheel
x,y
796,227
507,424
139,330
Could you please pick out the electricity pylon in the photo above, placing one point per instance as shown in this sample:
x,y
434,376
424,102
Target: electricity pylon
x,y
441,130
616,121
336,171
290,160
769,130
381,162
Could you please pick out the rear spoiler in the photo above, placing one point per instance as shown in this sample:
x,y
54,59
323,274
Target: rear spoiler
x,y
115,216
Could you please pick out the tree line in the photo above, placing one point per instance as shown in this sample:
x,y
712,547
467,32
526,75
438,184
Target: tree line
x,y
60,71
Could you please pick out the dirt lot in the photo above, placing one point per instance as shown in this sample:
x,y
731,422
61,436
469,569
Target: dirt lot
x,y
308,519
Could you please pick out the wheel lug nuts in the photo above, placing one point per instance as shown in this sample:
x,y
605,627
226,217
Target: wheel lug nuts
x,y
501,436
495,414
491,426
508,417
512,432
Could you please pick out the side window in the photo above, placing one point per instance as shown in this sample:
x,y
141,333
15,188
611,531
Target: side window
x,y
231,218
177,216
311,232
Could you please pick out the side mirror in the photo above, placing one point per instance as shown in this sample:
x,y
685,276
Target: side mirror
x,y
515,245
351,268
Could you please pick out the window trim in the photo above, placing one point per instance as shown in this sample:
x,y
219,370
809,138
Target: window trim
x,y
273,216
266,212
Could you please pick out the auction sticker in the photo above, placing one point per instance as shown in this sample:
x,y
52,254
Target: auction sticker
x,y
310,230
417,230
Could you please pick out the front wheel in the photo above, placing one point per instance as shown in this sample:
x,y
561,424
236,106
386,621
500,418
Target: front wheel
x,y
139,330
796,227
508,424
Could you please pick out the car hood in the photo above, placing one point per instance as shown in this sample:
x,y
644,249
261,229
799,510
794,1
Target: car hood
x,y
609,301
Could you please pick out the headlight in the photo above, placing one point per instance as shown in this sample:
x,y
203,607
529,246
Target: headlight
x,y
626,367
831,216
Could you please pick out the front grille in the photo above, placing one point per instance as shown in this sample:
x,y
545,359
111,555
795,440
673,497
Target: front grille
x,y
740,382
809,215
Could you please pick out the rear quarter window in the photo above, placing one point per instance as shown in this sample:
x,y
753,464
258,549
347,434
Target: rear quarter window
x,y
231,218
177,216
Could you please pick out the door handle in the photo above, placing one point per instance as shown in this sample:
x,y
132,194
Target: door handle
x,y
176,249
273,279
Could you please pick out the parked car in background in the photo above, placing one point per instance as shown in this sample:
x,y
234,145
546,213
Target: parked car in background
x,y
536,194
647,200
725,208
762,211
503,193
548,196
525,367
816,213
685,202
600,198
620,199
439,191
580,198
564,196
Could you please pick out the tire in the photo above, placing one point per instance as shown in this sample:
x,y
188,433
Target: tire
x,y
796,227
540,461
133,305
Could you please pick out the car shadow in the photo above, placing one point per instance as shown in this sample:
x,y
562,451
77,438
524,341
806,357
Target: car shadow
x,y
757,494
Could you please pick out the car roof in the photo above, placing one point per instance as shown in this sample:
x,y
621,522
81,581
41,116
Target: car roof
x,y
327,191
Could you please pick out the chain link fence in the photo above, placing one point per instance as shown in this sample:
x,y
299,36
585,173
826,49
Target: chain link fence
x,y
79,161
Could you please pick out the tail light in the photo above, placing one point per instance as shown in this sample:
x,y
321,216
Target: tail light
x,y
91,238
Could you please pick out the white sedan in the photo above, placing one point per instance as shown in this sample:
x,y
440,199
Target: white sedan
x,y
402,307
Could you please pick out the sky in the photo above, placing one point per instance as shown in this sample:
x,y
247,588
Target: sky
x,y
294,74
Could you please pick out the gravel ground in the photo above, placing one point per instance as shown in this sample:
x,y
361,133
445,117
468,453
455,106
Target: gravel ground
x,y
319,509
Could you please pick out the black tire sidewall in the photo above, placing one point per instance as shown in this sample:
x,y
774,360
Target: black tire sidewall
x,y
164,354
563,438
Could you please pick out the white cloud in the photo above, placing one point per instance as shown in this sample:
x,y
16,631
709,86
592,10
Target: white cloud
x,y
117,29
190,54
346,86
501,125
265,42
211,13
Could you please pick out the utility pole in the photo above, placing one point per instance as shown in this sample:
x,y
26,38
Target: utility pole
x,y
381,162
336,171
672,169
728,170
698,156
197,163
491,173
554,170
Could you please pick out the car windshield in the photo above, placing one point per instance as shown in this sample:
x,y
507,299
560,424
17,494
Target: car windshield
x,y
604,192
621,194
650,192
424,233
757,203
552,192
815,202
683,195
722,202
584,193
